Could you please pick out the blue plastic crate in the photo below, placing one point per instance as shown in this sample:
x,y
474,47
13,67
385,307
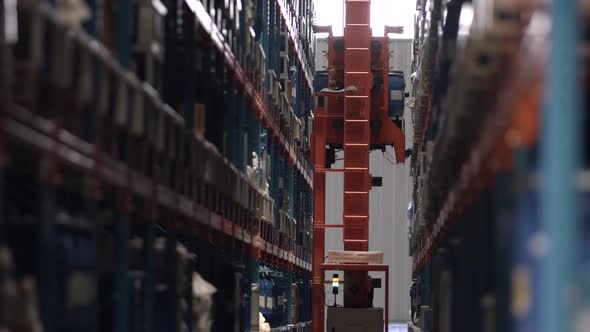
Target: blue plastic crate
x,y
321,80
397,87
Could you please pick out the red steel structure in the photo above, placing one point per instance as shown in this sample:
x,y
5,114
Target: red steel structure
x,y
352,115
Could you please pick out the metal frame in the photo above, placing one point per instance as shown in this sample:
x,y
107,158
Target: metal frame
x,y
357,110
561,142
368,268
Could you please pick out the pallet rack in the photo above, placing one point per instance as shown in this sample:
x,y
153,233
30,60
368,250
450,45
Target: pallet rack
x,y
131,156
498,182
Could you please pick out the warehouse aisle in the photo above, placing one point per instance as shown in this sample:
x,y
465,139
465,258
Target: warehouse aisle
x,y
157,170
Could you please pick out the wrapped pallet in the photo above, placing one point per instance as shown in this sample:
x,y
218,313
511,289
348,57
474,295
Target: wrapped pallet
x,y
357,257
202,304
264,326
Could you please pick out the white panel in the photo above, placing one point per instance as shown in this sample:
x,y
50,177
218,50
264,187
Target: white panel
x,y
388,231
401,58
321,52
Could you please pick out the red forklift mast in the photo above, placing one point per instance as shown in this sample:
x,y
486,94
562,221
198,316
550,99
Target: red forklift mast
x,y
351,114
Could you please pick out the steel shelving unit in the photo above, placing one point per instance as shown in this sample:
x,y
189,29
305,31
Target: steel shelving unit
x,y
128,146
498,230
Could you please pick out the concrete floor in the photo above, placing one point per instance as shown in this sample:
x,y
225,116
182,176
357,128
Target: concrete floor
x,y
398,327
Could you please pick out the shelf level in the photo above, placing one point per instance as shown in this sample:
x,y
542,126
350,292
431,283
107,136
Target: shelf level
x,y
221,45
41,134
296,43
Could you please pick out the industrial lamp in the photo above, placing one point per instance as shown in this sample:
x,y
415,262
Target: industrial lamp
x,y
335,284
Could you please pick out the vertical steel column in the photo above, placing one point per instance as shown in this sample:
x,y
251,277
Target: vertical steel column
x,y
299,95
526,265
230,125
264,40
48,285
2,166
357,109
357,135
560,161
189,77
289,291
271,46
150,271
241,157
504,239
291,188
256,141
122,235
255,144
90,135
91,212
319,218
253,135
124,32
254,277
240,98
273,185
172,266
48,252
122,291
6,65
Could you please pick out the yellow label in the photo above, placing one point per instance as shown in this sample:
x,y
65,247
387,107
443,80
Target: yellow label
x,y
522,294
